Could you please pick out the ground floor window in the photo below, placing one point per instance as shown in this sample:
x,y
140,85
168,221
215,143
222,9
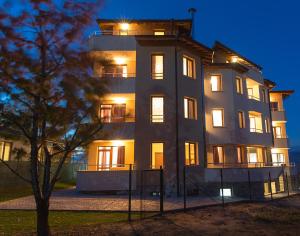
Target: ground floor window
x,y
218,154
277,159
5,150
111,157
157,155
190,153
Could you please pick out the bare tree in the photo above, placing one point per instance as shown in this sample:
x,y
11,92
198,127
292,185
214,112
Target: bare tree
x,y
48,91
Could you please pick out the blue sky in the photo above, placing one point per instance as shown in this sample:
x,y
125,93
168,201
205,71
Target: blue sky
x,y
265,31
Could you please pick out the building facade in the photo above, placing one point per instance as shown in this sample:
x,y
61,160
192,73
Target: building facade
x,y
173,102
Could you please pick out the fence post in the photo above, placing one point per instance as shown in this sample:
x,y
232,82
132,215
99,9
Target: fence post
x,y
249,185
287,183
184,188
130,192
270,185
161,194
222,187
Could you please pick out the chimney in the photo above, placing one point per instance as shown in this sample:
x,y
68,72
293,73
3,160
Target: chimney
x,y
192,11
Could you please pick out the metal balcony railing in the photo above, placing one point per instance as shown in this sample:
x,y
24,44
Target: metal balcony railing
x,y
255,130
253,98
248,164
117,75
127,33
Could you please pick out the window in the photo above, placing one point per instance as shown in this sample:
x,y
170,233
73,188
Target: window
x,y
113,113
277,132
190,110
114,71
218,154
218,118
277,159
111,157
274,106
157,155
267,125
255,122
190,153
252,155
159,32
5,150
157,109
240,154
188,67
241,119
239,85
216,83
264,95
157,64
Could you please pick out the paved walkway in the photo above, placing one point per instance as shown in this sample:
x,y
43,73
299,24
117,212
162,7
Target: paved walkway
x,y
70,199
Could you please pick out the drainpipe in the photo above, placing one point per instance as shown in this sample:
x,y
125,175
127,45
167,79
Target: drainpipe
x,y
271,121
177,120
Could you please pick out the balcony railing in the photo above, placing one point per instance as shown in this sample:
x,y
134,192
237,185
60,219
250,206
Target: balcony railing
x,y
255,130
127,33
116,75
121,119
248,165
253,98
107,167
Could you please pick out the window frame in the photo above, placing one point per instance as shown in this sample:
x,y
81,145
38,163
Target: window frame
x,y
123,119
275,132
110,158
194,101
151,109
220,83
239,85
192,60
4,143
223,118
189,143
151,154
242,125
155,76
215,150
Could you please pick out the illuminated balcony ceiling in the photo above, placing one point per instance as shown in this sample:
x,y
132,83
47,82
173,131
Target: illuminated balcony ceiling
x,y
231,53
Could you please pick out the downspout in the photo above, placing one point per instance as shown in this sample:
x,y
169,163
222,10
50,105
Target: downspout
x,y
177,121
271,121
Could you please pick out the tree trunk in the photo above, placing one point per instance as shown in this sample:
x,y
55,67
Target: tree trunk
x,y
42,218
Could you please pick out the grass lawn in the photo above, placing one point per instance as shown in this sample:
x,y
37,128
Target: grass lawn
x,y
10,193
13,222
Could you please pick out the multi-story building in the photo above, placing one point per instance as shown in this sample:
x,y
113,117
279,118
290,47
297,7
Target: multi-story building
x,y
173,102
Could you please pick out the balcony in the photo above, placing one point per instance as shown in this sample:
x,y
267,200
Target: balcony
x,y
282,142
278,115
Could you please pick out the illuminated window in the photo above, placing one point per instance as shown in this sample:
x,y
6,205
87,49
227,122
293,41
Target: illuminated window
x,y
255,122
112,113
190,153
278,159
239,85
216,83
218,154
157,155
159,32
157,109
277,132
157,65
111,157
267,125
190,110
226,192
240,154
252,155
218,118
5,151
241,119
188,67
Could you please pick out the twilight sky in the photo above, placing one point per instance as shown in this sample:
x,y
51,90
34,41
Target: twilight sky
x,y
265,31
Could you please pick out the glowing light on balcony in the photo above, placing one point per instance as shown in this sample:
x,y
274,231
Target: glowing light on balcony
x,y
119,100
234,59
124,26
120,60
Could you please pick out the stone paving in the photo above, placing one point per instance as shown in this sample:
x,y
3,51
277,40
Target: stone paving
x,y
70,199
